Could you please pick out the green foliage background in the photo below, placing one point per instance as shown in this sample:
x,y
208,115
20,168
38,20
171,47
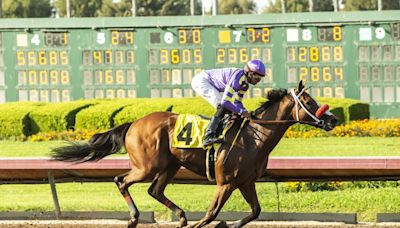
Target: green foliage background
x,y
123,8
24,119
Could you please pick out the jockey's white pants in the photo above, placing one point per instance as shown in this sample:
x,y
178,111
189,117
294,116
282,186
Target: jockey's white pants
x,y
206,90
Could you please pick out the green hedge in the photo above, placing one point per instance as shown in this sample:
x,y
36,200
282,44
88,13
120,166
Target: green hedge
x,y
15,120
143,107
347,109
179,105
30,118
57,116
101,116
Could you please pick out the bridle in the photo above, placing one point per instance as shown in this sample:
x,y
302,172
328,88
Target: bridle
x,y
298,104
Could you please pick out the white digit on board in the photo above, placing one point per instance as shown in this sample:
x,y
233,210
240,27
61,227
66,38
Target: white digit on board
x,y
237,35
168,37
101,38
380,33
35,39
306,34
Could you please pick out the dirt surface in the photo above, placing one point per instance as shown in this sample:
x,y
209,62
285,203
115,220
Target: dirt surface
x,y
121,224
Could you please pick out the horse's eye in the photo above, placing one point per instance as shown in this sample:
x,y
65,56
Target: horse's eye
x,y
308,103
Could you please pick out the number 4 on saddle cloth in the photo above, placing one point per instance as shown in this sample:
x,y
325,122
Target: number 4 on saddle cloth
x,y
190,129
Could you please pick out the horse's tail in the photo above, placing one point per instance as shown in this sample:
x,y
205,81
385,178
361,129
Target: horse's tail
x,y
99,146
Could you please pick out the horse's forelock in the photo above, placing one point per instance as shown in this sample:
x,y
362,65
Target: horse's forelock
x,y
272,96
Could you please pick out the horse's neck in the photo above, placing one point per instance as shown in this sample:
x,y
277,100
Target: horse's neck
x,y
280,111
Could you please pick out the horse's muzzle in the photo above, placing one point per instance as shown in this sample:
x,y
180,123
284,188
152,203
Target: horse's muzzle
x,y
328,121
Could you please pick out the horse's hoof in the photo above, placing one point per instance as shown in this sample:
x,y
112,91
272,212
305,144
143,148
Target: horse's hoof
x,y
222,224
132,223
182,222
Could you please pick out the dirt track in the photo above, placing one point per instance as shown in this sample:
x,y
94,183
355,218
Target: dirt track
x,y
122,224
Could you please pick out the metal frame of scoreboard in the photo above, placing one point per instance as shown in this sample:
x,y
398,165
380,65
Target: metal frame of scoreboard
x,y
350,54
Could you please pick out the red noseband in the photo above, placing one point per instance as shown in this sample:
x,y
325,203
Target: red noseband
x,y
321,110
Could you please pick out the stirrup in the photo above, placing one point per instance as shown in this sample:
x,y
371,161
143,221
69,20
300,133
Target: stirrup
x,y
212,140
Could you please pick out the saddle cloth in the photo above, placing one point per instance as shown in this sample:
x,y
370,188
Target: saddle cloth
x,y
189,131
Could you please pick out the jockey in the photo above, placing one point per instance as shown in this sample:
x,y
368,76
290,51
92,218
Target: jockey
x,y
224,89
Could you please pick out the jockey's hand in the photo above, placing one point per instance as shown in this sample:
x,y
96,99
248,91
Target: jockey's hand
x,y
246,114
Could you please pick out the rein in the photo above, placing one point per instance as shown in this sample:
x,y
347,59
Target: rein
x,y
297,103
262,122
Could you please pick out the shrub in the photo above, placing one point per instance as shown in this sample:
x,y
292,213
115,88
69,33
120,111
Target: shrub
x,y
350,109
57,116
337,185
138,110
77,135
100,116
313,186
15,120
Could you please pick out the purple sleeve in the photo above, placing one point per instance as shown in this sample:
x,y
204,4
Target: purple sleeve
x,y
233,94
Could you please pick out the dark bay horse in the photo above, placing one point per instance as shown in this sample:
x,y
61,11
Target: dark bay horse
x,y
148,143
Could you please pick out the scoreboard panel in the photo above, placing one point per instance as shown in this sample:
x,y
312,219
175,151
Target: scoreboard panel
x,y
108,63
315,55
236,46
344,55
42,67
174,57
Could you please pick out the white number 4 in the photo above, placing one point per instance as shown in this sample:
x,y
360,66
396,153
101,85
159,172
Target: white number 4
x,y
35,39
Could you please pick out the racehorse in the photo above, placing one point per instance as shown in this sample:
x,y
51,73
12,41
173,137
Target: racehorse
x,y
241,160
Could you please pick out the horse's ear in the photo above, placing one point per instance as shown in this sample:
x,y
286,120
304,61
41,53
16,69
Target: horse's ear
x,y
301,86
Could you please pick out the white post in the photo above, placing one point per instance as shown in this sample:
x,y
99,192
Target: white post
x,y
335,5
215,7
202,8
54,194
192,7
68,8
311,5
283,6
133,8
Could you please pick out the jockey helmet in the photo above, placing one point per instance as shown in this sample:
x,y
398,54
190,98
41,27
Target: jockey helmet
x,y
255,66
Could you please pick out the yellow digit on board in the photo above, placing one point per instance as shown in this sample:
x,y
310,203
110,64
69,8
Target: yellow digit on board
x,y
186,56
220,55
21,58
175,56
302,54
198,58
196,36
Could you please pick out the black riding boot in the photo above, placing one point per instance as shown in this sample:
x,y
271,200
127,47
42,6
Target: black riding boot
x,y
211,136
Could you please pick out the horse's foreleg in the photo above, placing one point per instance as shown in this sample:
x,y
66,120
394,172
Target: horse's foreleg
x,y
221,196
156,190
123,182
250,195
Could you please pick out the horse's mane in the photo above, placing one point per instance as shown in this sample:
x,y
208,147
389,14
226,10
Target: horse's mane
x,y
272,96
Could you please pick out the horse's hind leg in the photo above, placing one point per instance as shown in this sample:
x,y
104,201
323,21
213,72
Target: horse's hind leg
x,y
250,195
156,190
123,182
